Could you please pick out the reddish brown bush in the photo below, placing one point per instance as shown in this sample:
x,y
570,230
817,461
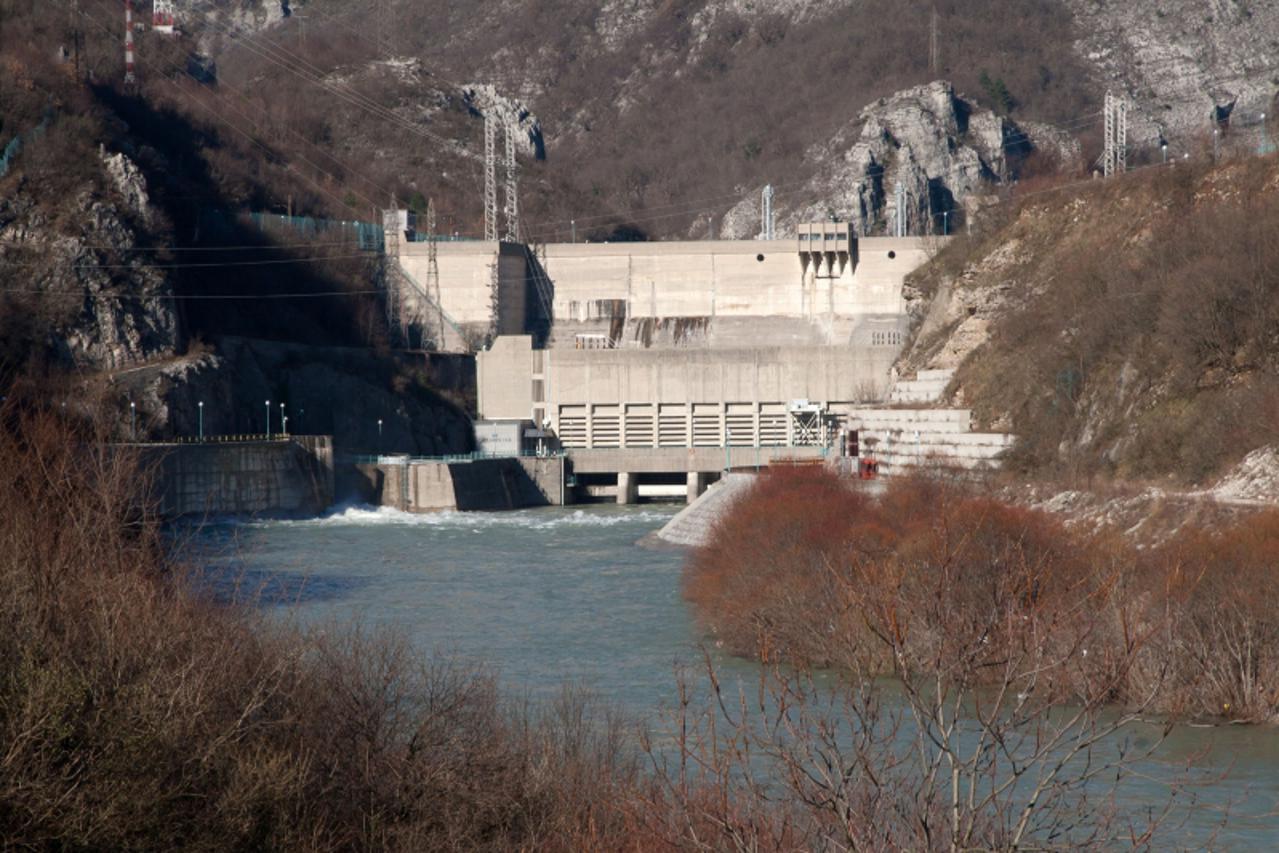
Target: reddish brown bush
x,y
1213,595
135,715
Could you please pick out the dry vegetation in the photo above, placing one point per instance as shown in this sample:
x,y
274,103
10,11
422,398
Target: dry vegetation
x,y
689,119
135,715
932,580
1132,324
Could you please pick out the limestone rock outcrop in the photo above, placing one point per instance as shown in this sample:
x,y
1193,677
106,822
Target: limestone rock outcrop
x,y
941,147
101,304
1183,62
515,118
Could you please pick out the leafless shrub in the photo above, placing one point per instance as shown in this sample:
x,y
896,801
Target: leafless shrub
x,y
135,713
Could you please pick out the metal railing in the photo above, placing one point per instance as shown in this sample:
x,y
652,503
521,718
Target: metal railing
x,y
406,458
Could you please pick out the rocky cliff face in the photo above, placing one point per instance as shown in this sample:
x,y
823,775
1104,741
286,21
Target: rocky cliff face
x,y
1183,62
1118,326
100,303
333,391
941,148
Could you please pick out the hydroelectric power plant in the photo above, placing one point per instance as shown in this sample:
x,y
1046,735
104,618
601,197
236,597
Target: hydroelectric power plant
x,y
655,366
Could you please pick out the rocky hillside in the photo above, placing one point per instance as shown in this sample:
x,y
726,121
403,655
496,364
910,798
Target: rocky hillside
x,y
1125,327
669,117
126,265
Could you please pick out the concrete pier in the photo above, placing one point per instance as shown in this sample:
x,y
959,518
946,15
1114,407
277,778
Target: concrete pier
x,y
696,485
627,488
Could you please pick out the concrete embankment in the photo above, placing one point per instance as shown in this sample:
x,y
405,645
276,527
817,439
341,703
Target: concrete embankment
x,y
431,485
291,476
692,526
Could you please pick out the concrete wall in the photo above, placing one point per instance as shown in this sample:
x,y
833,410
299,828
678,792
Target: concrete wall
x,y
505,375
484,484
598,286
679,398
730,278
465,293
290,477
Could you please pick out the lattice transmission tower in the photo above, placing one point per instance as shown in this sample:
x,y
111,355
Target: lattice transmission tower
x,y
436,329
490,178
392,285
902,222
512,188
768,222
1115,153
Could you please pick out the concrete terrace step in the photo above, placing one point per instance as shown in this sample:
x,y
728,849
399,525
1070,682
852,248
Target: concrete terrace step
x,y
938,420
927,387
898,463
904,438
938,451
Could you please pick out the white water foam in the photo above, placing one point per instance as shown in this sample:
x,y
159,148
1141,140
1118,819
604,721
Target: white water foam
x,y
363,515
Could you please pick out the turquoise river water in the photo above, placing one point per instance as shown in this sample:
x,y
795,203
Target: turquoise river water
x,y
560,595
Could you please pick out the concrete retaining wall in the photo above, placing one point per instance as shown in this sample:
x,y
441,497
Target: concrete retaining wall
x,y
286,477
484,484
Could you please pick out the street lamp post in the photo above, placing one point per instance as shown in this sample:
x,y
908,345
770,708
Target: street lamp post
x,y
268,419
379,435
133,420
945,223
1164,148
284,425
1216,143
282,420
201,408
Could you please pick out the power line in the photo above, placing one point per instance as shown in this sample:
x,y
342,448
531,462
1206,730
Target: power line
x,y
191,97
186,297
260,247
282,57
196,264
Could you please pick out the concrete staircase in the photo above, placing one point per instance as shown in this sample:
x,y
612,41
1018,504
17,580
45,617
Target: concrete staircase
x,y
926,387
903,438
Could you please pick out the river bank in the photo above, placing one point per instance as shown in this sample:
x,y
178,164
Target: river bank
x,y
595,610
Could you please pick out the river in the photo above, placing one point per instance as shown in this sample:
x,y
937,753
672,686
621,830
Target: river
x,y
558,595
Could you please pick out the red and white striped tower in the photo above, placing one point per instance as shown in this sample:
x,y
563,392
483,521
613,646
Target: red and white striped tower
x,y
129,77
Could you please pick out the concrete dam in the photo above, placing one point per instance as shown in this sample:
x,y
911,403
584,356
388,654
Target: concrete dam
x,y
655,363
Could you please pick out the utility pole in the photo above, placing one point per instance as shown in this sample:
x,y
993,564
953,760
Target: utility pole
x,y
1115,155
934,44
766,213
512,188
129,77
490,177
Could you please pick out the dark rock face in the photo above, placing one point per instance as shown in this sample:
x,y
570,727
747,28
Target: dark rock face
x,y
101,303
325,390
